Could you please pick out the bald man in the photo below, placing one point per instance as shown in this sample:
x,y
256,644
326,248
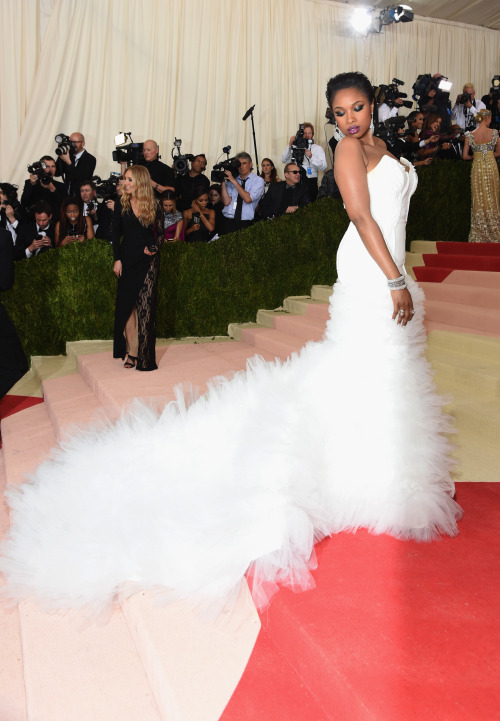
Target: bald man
x,y
162,175
76,166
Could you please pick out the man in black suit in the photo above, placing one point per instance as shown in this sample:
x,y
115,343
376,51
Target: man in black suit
x,y
37,236
76,165
284,197
50,191
13,363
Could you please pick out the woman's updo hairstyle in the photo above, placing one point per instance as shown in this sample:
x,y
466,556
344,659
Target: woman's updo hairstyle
x,y
482,114
343,81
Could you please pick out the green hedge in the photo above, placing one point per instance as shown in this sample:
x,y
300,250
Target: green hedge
x,y
69,294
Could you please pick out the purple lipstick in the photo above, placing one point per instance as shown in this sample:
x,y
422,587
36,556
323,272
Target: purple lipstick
x,y
353,129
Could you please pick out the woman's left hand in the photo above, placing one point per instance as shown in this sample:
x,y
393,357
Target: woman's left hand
x,y
148,252
403,306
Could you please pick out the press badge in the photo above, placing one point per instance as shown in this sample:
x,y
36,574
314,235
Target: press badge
x,y
234,204
309,171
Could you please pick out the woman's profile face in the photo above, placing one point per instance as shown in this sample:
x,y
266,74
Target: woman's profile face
x,y
72,213
168,206
202,200
266,167
352,111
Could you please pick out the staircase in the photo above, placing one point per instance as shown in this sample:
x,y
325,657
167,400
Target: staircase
x,y
138,665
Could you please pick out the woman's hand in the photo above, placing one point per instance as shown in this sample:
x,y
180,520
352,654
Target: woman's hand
x,y
403,306
80,238
117,268
148,252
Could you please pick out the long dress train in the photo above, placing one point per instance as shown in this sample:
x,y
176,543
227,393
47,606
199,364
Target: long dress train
x,y
348,433
485,187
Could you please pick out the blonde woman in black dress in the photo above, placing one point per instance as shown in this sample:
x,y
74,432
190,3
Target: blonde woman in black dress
x,y
137,236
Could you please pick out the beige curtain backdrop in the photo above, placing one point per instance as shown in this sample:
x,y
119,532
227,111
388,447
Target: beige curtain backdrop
x,y
191,68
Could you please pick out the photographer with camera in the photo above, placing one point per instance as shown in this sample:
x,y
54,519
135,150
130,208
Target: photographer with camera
x,y
11,213
162,175
466,107
42,186
240,195
36,236
284,198
186,182
74,162
310,157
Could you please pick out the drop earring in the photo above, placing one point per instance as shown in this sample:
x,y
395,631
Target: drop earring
x,y
372,126
338,132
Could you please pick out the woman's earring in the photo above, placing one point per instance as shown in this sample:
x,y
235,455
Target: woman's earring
x,y
372,126
338,133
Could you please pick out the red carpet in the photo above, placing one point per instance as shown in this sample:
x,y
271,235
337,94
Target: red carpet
x,y
448,247
431,275
13,404
462,262
395,631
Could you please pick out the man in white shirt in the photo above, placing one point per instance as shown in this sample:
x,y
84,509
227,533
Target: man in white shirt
x,y
314,159
386,111
463,113
240,196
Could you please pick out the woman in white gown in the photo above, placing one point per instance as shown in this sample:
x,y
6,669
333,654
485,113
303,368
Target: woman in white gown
x,y
246,478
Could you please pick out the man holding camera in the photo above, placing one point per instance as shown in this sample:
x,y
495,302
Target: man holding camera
x,y
98,213
43,187
162,176
314,159
187,182
466,107
37,236
386,110
240,196
76,164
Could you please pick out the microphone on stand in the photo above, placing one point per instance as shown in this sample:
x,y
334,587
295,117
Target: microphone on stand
x,y
248,112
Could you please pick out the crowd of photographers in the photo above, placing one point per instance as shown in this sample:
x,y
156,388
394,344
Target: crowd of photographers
x,y
62,201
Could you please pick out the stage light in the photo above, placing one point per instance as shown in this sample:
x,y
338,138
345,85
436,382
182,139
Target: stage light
x,y
361,19
402,14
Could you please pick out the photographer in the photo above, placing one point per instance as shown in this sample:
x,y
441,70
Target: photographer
x,y
76,164
240,196
42,186
466,107
100,214
11,213
162,175
314,159
186,183
13,363
36,236
386,110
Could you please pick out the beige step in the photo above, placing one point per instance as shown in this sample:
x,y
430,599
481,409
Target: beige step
x,y
466,374
321,292
477,346
423,246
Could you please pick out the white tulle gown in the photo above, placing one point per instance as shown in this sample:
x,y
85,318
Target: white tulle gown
x,y
247,478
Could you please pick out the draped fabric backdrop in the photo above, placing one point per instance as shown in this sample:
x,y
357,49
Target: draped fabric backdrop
x,y
191,68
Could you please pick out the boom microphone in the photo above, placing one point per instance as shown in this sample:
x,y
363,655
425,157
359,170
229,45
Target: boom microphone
x,y
248,112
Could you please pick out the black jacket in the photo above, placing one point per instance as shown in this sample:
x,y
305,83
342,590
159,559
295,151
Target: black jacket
x,y
75,174
25,236
280,196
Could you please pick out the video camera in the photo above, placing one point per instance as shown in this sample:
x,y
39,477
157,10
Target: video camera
x,y
39,169
130,153
106,189
390,93
425,83
232,164
391,129
180,162
299,146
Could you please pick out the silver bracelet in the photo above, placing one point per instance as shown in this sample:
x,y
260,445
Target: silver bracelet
x,y
398,287
394,282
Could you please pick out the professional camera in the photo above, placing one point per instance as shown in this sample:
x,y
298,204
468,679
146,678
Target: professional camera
x,y
130,153
232,164
106,188
464,98
299,146
39,169
425,83
495,102
391,129
390,93
64,144
180,162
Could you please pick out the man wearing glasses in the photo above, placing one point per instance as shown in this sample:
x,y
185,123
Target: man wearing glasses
x,y
282,198
76,166
240,196
314,159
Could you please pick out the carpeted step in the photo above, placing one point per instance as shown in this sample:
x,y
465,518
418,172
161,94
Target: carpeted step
x,y
463,294
423,246
451,248
479,347
305,305
279,343
321,292
69,400
293,324
432,326
431,275
456,314
478,278
482,418
465,374
462,262
478,458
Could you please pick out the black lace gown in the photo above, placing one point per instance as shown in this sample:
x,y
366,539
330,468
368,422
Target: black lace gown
x,y
137,286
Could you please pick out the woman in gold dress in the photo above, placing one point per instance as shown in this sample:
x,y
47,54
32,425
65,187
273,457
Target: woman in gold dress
x,y
485,182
